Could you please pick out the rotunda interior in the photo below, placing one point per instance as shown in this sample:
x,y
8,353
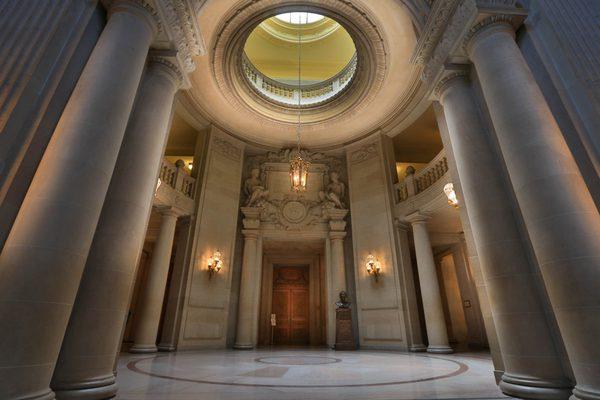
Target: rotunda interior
x,y
276,199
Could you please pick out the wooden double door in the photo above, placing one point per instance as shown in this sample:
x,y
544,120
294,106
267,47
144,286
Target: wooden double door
x,y
290,304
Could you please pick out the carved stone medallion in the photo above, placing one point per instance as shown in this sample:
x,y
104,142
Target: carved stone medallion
x,y
294,211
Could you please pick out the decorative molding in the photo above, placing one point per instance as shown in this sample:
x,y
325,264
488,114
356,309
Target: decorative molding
x,y
494,20
456,27
226,149
181,20
144,4
434,29
227,50
172,67
443,83
364,153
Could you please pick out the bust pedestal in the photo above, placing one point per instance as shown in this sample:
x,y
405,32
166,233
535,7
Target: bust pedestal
x,y
344,339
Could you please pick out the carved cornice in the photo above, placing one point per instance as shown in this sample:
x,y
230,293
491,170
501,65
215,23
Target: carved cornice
x,y
455,28
434,29
181,22
450,26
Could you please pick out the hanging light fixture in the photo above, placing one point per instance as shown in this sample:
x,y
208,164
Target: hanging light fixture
x,y
298,164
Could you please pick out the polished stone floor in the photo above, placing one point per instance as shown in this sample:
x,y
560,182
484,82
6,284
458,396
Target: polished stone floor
x,y
311,374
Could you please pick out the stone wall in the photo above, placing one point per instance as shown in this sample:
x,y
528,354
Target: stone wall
x,y
380,307
207,299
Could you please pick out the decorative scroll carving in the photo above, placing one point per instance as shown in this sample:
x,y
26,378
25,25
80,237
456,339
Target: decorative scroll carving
x,y
364,153
181,19
456,27
226,149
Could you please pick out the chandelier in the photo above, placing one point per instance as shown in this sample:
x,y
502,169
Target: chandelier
x,y
298,164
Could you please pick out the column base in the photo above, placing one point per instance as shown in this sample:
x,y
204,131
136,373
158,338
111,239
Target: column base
x,y
243,346
440,349
534,388
46,395
417,348
102,389
143,349
166,347
580,394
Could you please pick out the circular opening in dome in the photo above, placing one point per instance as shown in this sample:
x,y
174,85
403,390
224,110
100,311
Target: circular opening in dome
x,y
299,18
299,49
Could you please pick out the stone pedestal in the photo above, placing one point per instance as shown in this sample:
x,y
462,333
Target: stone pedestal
x,y
153,292
44,256
560,216
344,339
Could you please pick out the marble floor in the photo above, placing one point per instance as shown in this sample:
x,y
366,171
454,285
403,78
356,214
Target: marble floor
x,y
315,374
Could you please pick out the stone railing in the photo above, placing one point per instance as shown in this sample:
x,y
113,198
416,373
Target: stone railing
x,y
175,188
414,184
177,178
288,94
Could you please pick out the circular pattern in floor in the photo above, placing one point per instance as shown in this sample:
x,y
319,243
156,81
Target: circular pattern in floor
x,y
298,360
300,370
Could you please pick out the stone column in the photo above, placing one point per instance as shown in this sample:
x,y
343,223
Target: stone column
x,y
249,291
153,291
559,213
338,267
532,363
430,288
45,254
415,338
92,339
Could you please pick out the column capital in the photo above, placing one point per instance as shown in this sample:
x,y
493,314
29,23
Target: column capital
x,y
418,218
161,63
251,233
460,76
335,235
139,8
168,212
496,23
401,225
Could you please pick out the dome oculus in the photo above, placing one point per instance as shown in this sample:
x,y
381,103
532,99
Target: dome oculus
x,y
270,61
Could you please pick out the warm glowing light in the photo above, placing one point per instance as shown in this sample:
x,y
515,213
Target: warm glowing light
x,y
373,266
298,173
190,166
451,194
215,263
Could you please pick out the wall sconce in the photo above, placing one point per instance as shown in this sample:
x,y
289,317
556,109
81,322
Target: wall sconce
x,y
214,264
373,267
451,194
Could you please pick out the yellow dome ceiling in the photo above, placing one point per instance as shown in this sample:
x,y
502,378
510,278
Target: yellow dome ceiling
x,y
326,48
